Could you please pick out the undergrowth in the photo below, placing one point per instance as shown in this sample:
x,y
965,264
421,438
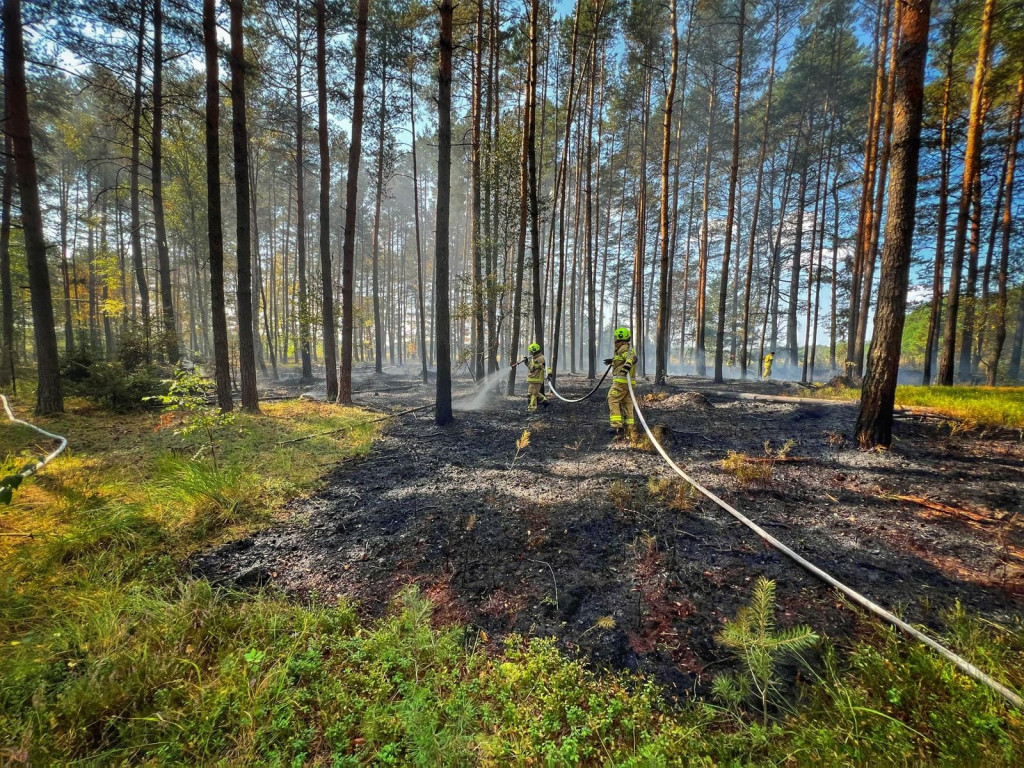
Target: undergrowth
x,y
110,653
984,406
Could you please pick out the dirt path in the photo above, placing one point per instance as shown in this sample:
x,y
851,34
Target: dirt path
x,y
590,541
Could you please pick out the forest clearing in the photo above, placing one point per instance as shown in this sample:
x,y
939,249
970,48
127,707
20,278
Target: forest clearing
x,y
512,382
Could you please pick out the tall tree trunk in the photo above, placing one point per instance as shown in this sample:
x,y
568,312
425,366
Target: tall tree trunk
x,y
1007,227
378,326
965,372
163,256
63,195
348,247
48,395
559,193
866,212
874,422
945,150
794,275
300,205
731,211
640,254
133,174
477,219
524,191
871,254
700,329
664,298
240,143
745,325
443,407
326,274
7,377
538,295
419,249
972,160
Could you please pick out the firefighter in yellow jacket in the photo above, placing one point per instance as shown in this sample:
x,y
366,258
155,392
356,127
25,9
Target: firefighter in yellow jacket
x,y
620,406
535,373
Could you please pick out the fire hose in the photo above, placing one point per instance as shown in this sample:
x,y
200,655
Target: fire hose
x,y
965,666
11,482
551,385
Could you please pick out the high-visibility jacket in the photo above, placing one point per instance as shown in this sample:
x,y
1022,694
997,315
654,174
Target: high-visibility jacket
x,y
535,369
622,361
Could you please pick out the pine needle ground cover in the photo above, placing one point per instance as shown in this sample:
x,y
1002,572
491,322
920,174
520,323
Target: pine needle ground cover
x,y
111,653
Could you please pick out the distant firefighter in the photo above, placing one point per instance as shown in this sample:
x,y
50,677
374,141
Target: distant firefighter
x,y
620,406
766,370
535,373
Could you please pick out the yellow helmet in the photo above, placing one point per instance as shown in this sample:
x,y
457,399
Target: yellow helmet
x,y
623,334
534,348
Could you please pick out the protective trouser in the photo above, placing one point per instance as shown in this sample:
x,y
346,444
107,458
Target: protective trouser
x,y
535,380
620,406
536,395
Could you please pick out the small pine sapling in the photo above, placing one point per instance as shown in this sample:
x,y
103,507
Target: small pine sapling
x,y
760,647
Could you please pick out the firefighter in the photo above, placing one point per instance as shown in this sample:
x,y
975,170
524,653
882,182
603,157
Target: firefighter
x,y
535,373
620,406
766,370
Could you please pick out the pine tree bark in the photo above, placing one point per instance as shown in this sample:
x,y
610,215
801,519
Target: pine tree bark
x,y
972,160
700,329
866,211
731,211
1006,229
664,298
7,376
49,398
133,180
538,295
443,403
348,246
240,143
326,274
874,422
378,325
416,224
476,222
163,256
758,186
945,150
300,205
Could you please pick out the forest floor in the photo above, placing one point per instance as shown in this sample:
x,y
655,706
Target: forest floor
x,y
591,541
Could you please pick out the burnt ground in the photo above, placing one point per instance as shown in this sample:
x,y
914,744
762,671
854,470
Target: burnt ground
x,y
582,528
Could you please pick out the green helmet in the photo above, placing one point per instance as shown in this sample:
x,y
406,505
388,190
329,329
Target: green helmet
x,y
622,334
534,348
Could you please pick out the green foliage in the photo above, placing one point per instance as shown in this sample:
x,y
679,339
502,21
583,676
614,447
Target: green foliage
x,y
109,656
188,397
111,385
753,637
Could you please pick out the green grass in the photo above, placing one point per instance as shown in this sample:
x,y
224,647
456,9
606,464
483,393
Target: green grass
x,y
111,654
984,406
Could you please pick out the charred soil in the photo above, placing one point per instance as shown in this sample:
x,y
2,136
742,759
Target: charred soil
x,y
594,542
